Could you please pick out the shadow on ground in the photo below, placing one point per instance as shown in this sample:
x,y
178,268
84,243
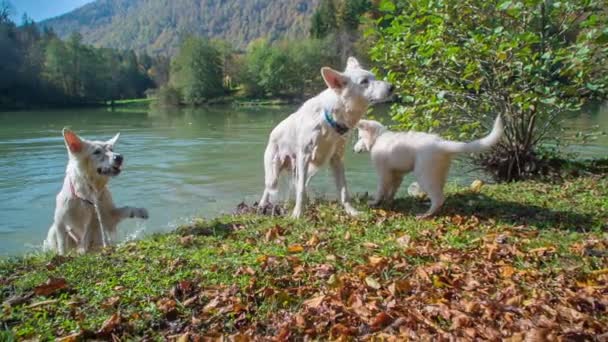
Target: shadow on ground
x,y
486,207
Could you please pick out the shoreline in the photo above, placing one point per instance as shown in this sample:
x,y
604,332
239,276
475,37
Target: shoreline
x,y
517,246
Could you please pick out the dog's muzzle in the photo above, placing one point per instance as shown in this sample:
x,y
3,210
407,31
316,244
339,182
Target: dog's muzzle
x,y
114,169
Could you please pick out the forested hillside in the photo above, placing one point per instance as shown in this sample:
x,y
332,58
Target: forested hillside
x,y
158,26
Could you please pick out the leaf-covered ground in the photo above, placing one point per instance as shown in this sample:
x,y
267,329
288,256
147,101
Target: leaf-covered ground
x,y
520,261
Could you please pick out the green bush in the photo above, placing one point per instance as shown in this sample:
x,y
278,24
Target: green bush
x,y
457,64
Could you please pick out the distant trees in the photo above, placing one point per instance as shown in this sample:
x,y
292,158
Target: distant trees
x,y
287,68
197,72
36,67
339,20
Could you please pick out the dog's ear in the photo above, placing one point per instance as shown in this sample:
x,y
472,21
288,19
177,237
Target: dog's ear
x,y
352,63
365,125
72,141
113,141
334,79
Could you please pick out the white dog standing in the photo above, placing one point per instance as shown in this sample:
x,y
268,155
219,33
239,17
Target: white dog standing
x,y
317,132
394,154
85,216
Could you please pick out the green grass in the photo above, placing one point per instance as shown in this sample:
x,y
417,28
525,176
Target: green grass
x,y
513,250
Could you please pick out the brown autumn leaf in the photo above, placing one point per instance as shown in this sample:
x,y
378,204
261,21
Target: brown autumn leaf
x,y
166,305
381,320
507,271
376,260
110,324
313,241
370,245
399,286
273,233
340,329
295,248
186,240
372,282
476,185
540,251
404,241
245,270
184,338
110,302
314,302
51,286
70,338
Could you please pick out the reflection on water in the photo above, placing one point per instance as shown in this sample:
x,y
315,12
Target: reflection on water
x,y
178,164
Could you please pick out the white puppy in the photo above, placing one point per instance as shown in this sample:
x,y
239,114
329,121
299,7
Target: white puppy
x,y
394,154
317,132
85,216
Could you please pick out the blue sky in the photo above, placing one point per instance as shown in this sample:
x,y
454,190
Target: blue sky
x,y
44,9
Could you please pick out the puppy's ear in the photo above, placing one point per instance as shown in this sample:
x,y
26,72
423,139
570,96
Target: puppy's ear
x,y
113,141
352,63
365,125
72,141
334,79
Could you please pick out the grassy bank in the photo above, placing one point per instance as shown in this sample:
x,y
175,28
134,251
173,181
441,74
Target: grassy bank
x,y
523,260
144,102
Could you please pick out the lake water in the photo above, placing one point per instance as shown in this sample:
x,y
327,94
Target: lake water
x,y
179,164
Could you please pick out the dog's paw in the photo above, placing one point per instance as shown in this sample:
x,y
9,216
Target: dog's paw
x,y
423,216
296,214
373,203
351,211
140,213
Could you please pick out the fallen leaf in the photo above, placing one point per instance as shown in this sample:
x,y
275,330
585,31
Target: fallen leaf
x,y
295,248
376,260
186,240
51,286
42,303
109,325
380,321
507,271
476,185
370,245
399,287
18,299
314,302
70,338
373,283
313,241
404,241
110,302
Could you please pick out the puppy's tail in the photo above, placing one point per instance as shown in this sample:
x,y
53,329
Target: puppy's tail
x,y
479,145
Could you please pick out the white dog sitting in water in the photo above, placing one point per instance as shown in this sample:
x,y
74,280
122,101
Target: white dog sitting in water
x,y
317,132
85,216
394,154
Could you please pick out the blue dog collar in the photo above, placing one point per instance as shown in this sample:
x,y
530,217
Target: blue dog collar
x,y
340,128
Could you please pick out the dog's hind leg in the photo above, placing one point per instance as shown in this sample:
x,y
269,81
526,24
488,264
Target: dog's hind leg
x,y
337,166
272,170
385,183
302,161
432,181
397,179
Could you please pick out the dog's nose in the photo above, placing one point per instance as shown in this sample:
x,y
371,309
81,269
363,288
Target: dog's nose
x,y
391,88
117,158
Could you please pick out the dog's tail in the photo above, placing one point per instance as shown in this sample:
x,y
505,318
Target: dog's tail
x,y
479,145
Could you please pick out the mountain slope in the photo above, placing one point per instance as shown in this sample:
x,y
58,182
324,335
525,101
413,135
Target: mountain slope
x,y
157,26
